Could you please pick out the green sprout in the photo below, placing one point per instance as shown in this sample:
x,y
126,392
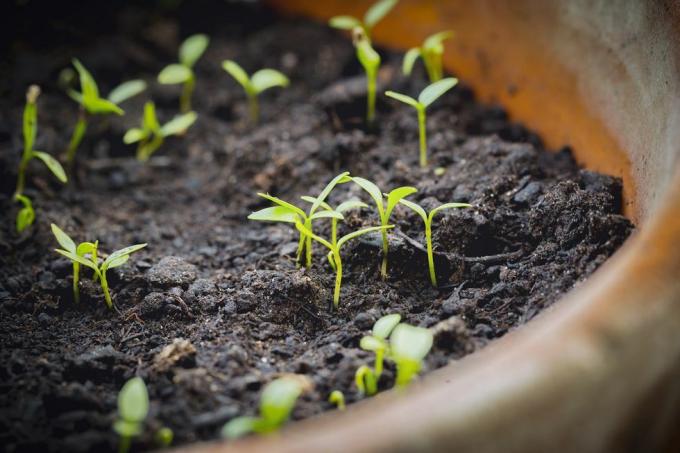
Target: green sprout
x,y
151,135
82,249
366,378
408,347
92,104
117,258
133,407
289,213
373,15
431,51
189,52
276,404
338,398
26,215
430,94
427,219
384,210
366,381
260,81
164,437
341,208
370,60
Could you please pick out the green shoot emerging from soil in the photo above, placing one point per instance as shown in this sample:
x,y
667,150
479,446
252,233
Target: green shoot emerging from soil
x,y
276,403
92,104
384,210
408,347
151,135
431,51
189,52
82,250
427,219
367,378
261,80
26,214
430,94
163,437
117,258
370,60
133,407
373,15
338,398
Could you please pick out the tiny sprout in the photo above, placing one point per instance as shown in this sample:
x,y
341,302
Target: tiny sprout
x,y
92,104
189,52
366,381
133,407
151,135
26,215
384,210
366,378
408,347
117,258
164,437
82,249
276,404
370,60
338,398
373,15
431,52
427,220
260,81
430,94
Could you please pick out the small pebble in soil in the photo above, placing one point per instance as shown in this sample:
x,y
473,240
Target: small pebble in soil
x,y
171,271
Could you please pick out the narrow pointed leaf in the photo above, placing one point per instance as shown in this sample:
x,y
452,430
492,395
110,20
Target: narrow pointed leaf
x,y
101,107
122,252
371,343
350,205
376,12
327,215
397,194
344,22
174,73
409,60
79,259
283,203
88,86
312,200
437,39
150,120
416,208
268,78
275,214
402,98
192,48
356,234
76,96
134,135
373,191
237,72
119,261
53,164
434,91
126,90
179,124
448,206
383,327
340,179
63,239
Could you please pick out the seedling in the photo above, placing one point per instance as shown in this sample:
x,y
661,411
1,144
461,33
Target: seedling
x,y
117,258
427,219
26,215
334,257
81,250
276,404
92,104
260,81
189,52
431,51
164,437
151,135
341,208
133,407
384,210
366,378
370,60
338,398
373,15
408,347
430,94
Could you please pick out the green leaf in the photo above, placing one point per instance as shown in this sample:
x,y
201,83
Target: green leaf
x,y
53,164
409,60
88,86
80,259
278,399
432,92
395,195
410,342
344,22
126,90
368,57
192,48
134,135
102,107
418,210
179,124
122,252
87,247
63,239
306,232
285,204
133,401
355,234
164,437
350,205
448,206
118,261
275,214
312,200
30,126
127,429
339,179
403,98
237,73
76,96
327,215
384,326
436,40
174,73
268,78
365,380
371,343
376,12
239,427
150,121
373,191
26,215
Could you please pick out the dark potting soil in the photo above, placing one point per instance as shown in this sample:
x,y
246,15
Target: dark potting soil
x,y
215,307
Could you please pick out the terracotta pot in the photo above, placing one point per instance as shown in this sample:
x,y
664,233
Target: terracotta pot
x,y
601,370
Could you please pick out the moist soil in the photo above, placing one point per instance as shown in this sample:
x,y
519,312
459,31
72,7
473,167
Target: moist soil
x,y
215,307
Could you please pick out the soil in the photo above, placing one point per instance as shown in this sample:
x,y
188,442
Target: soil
x,y
215,307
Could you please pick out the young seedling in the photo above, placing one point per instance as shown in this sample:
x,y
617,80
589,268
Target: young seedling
x,y
430,94
151,135
26,215
408,347
133,407
260,81
341,208
427,220
189,52
164,437
373,15
431,51
82,250
117,258
92,104
276,403
366,378
370,60
338,398
384,210
334,257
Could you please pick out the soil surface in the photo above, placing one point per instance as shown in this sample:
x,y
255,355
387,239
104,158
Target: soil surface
x,y
215,307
